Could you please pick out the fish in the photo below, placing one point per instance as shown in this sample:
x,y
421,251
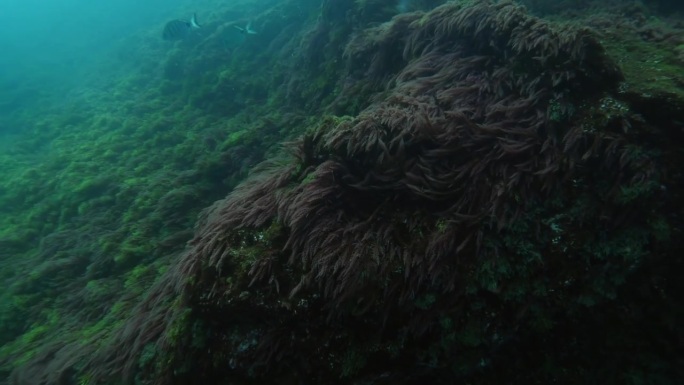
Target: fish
x,y
247,30
179,29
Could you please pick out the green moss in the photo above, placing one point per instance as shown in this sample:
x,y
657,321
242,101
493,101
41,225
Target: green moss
x,y
181,323
650,68
136,276
235,137
441,225
308,178
101,326
85,379
34,333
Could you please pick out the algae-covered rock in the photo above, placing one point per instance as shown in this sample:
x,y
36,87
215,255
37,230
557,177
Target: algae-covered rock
x,y
468,193
500,212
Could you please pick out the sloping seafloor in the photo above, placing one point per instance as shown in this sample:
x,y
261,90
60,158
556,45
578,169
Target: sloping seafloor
x,y
469,193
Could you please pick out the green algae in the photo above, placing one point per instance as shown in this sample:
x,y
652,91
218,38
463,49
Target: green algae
x,y
127,168
653,69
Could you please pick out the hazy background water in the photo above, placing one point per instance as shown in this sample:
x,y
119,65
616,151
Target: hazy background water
x,y
49,46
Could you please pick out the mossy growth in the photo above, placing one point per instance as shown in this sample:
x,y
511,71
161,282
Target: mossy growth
x,y
253,245
650,68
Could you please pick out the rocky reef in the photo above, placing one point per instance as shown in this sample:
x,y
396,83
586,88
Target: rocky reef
x,y
448,192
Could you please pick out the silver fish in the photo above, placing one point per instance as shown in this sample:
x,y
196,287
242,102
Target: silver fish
x,y
179,29
247,30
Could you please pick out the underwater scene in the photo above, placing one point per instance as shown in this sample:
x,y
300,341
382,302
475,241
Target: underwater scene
x,y
366,192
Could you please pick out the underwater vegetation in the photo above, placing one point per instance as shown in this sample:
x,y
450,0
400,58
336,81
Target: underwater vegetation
x,y
438,192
